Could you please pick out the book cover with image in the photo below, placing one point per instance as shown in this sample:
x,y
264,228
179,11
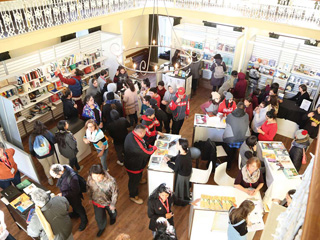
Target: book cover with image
x,y
22,203
270,155
201,119
278,146
156,160
162,145
290,172
165,137
161,152
267,146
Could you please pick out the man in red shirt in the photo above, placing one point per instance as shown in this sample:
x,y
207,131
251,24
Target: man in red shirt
x,y
154,94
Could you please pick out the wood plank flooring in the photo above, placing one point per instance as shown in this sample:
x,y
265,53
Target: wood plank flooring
x,y
132,218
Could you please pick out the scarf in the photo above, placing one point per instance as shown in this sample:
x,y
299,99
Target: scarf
x,y
250,178
91,136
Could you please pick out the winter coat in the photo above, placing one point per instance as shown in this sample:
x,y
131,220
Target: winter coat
x,y
69,111
74,84
241,86
237,129
151,125
120,79
162,118
299,98
95,93
57,215
70,150
218,81
225,87
243,149
112,87
313,131
168,97
156,210
118,130
209,107
226,110
106,109
101,83
195,69
105,192
296,153
179,110
5,172
130,100
51,139
136,153
249,111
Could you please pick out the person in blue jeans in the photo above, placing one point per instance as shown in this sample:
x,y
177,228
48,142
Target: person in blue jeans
x,y
96,136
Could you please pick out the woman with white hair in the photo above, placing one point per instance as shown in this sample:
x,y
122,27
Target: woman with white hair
x,y
55,211
68,183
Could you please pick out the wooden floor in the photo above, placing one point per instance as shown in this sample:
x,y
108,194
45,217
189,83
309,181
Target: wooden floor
x,y
132,218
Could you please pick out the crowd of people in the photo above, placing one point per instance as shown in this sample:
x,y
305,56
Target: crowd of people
x,y
110,109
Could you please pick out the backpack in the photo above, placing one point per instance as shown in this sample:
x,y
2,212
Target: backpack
x,y
82,182
41,146
218,71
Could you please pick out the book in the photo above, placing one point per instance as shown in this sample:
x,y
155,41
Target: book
x,y
22,203
201,119
278,146
25,183
165,137
161,152
30,214
268,155
156,160
267,146
162,145
290,172
29,189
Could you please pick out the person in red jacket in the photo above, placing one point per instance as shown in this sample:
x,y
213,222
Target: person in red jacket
x,y
241,87
9,172
227,106
154,94
248,107
74,84
269,129
149,120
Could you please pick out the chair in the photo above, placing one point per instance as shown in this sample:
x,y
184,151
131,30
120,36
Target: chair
x,y
201,176
221,177
286,128
195,154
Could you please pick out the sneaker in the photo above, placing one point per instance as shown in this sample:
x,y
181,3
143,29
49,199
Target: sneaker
x,y
100,232
119,163
112,221
137,200
73,215
50,181
82,226
81,167
143,181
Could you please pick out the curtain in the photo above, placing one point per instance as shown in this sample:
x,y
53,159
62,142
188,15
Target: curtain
x,y
154,50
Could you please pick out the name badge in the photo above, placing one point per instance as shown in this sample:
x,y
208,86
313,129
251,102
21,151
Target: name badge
x,y
12,170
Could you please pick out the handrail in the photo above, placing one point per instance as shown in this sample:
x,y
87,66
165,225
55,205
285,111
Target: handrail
x,y
23,16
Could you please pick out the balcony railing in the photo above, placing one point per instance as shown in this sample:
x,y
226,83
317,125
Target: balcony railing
x,y
23,16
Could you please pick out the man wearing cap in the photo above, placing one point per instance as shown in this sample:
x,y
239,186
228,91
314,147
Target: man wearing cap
x,y
180,108
227,106
299,147
150,122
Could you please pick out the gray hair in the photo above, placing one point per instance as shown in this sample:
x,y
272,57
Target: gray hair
x,y
55,169
39,197
2,145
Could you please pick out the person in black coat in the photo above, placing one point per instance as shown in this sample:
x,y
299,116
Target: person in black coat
x,y
160,115
312,121
136,157
70,110
118,130
110,104
68,184
299,147
301,95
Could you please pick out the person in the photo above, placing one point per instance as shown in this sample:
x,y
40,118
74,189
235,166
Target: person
x,y
92,111
249,178
74,84
110,104
160,205
118,130
41,146
273,103
176,59
150,122
301,95
120,77
288,199
167,98
55,211
236,131
299,147
111,87
136,157
195,67
103,193
123,236
180,108
4,234
94,91
161,90
154,95
248,107
102,79
218,68
254,96
259,117
211,107
145,87
146,104
269,129
67,144
68,184
240,87
9,172
182,166
248,149
95,135
228,85
238,220
130,99
312,121
254,76
70,110
227,106
160,115
164,230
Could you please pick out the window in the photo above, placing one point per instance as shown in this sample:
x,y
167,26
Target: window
x,y
165,32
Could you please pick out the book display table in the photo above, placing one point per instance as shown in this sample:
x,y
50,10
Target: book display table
x,y
281,174
158,170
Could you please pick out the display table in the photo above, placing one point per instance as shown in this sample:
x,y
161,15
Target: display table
x,y
160,172
205,127
278,183
78,130
290,111
171,79
201,220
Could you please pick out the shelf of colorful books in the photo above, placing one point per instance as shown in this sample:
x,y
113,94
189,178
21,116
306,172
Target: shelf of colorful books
x,y
262,65
99,59
28,81
42,85
38,99
37,116
305,75
7,88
